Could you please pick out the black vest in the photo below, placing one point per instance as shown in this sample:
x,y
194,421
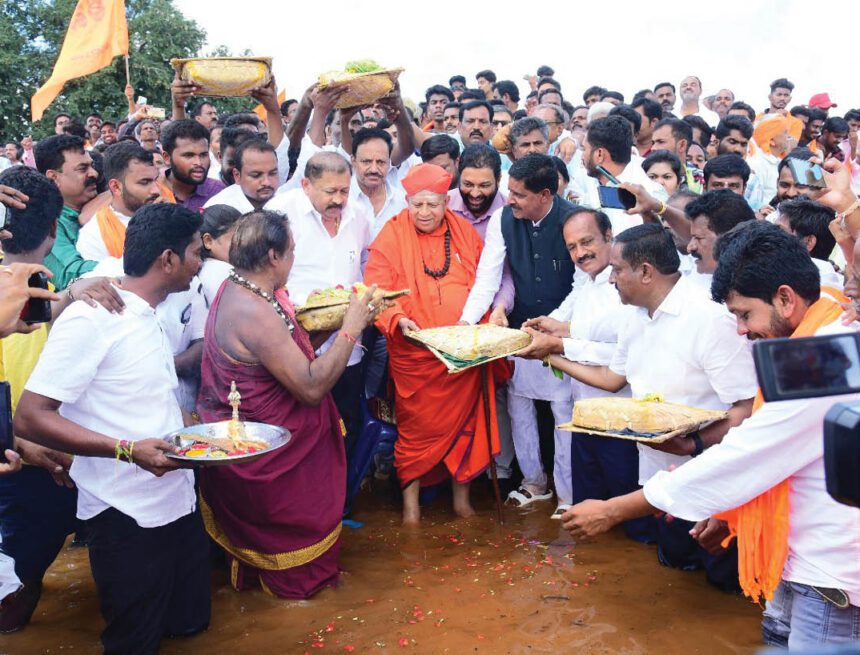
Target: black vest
x,y
540,264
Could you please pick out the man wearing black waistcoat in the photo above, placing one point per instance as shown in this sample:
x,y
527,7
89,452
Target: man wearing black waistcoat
x,y
527,232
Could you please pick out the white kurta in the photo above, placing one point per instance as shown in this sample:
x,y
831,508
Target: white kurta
x,y
91,243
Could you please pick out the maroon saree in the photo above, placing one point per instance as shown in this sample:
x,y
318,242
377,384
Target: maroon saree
x,y
279,517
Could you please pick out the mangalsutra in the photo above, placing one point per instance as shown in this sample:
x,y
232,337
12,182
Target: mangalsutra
x,y
269,298
442,272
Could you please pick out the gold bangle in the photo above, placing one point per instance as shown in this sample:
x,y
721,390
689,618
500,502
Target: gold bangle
x,y
663,208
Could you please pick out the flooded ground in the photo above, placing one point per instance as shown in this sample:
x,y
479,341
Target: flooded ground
x,y
451,586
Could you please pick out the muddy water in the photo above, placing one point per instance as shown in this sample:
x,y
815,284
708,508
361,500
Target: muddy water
x,y
450,586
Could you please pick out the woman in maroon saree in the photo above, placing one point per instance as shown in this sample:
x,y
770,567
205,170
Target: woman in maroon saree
x,y
279,517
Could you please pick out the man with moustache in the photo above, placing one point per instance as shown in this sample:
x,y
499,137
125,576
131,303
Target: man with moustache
x,y
256,175
187,154
665,92
779,97
331,235
476,122
683,346
691,91
64,161
722,102
372,187
585,329
711,215
451,119
132,180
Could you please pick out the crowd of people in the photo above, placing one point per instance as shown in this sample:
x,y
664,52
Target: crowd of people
x,y
178,249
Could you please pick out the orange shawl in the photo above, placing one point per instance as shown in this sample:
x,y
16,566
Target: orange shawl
x,y
761,525
112,231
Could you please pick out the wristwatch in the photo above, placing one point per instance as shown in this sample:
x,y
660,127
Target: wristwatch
x,y
697,441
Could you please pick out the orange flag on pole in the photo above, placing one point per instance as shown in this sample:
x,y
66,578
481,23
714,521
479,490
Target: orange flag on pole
x,y
98,32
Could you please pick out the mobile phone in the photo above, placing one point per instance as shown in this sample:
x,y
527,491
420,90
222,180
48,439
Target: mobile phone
x,y
808,367
2,216
609,176
37,310
141,100
7,438
806,173
157,113
614,198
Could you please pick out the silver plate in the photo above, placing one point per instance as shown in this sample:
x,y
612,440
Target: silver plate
x,y
273,435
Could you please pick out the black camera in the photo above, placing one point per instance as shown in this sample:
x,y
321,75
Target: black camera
x,y
813,367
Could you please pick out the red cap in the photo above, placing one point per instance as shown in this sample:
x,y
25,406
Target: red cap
x,y
426,177
821,101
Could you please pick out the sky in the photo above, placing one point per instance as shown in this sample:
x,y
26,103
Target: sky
x,y
623,45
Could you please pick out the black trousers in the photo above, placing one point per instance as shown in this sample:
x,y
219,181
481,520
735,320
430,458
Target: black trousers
x,y
152,582
677,549
347,394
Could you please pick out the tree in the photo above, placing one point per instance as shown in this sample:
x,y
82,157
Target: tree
x,y
31,34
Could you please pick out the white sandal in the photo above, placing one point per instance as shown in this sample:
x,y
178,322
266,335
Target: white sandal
x,y
522,497
559,511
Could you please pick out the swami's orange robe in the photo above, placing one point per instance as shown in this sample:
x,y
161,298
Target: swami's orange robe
x,y
440,417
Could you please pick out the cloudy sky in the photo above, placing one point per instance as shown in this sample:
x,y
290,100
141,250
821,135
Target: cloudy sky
x,y
624,45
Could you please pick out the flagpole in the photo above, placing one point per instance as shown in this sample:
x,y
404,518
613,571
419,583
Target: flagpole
x,y
127,74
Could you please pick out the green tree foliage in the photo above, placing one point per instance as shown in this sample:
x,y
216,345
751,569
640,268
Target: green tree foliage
x,y
32,32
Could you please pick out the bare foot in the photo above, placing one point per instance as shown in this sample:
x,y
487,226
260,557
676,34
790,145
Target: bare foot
x,y
464,511
411,517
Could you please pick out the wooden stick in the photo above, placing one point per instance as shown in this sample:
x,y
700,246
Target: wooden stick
x,y
127,73
485,391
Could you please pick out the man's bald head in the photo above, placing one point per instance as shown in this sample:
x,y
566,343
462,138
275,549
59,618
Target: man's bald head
x,y
326,162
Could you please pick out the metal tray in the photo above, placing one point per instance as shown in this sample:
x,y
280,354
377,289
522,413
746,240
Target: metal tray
x,y
273,435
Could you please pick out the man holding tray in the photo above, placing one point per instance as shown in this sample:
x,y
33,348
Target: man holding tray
x,y
110,408
685,348
798,548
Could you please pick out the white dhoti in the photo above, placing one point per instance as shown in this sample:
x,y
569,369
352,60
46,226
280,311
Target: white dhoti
x,y
9,582
533,381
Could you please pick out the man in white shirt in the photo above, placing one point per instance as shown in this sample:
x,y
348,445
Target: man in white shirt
x,y
372,188
527,234
685,348
585,329
255,175
810,222
691,91
111,407
331,236
132,179
781,442
609,143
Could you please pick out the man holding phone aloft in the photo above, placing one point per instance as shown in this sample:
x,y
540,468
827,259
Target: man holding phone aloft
x,y
608,144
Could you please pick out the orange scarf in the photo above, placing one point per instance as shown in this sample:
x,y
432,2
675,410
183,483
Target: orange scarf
x,y
166,193
761,525
112,231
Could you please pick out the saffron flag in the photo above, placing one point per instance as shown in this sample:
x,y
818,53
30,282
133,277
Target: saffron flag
x,y
260,110
98,32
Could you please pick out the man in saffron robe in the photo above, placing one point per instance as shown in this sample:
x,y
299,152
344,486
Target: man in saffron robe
x,y
797,547
440,417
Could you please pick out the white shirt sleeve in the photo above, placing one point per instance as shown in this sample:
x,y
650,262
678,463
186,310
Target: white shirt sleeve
x,y
90,243
564,312
774,443
76,347
588,352
488,278
727,360
618,363
199,312
283,154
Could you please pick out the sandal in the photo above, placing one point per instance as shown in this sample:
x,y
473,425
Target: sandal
x,y
559,511
522,497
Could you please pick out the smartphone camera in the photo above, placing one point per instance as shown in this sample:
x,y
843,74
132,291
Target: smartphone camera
x,y
614,198
37,310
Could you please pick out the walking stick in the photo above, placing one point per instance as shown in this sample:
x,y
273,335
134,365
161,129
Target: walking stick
x,y
485,391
